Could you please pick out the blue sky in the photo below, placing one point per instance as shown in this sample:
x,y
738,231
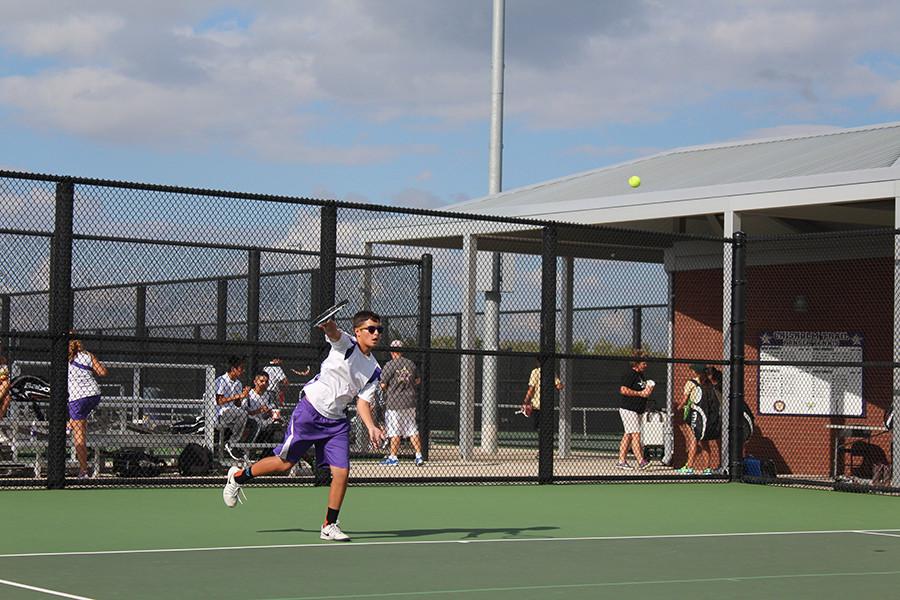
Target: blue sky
x,y
388,101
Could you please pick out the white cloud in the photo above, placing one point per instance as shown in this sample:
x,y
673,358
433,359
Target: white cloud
x,y
277,82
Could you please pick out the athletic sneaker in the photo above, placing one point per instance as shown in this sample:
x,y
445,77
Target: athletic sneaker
x,y
707,471
390,462
232,492
624,465
685,470
643,464
332,532
420,461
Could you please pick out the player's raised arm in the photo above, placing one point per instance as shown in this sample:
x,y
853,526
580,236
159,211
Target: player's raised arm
x,y
331,330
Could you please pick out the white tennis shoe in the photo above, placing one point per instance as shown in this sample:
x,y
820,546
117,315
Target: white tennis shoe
x,y
232,492
333,532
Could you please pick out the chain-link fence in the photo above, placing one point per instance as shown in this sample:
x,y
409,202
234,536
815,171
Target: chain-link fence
x,y
511,350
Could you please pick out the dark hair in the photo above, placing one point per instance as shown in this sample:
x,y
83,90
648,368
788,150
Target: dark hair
x,y
637,357
363,316
261,374
234,362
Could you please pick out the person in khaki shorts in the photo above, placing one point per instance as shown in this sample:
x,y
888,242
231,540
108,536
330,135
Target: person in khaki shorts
x,y
400,382
531,405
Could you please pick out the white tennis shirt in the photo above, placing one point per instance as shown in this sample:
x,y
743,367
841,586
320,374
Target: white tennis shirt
x,y
81,378
346,373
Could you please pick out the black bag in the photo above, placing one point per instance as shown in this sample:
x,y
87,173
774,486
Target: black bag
x,y
134,462
195,460
705,417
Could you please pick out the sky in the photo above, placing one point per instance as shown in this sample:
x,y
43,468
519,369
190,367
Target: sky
x,y
388,101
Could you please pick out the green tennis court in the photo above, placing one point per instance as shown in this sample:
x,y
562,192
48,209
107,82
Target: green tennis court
x,y
580,541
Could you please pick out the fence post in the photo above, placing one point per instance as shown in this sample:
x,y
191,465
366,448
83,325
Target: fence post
x,y
221,310
736,397
61,312
636,327
547,354
328,255
5,341
253,276
140,311
315,293
424,342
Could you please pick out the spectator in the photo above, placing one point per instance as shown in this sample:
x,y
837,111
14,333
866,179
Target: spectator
x,y
690,396
261,409
399,382
230,394
84,396
278,381
634,390
4,387
532,402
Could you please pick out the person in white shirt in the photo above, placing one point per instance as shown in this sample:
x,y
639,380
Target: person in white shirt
x,y
84,396
278,381
230,394
348,373
263,411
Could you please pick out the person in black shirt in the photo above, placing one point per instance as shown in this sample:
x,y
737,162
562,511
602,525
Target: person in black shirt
x,y
635,390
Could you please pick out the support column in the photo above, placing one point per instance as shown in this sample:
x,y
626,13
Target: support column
x,y
60,324
669,424
422,412
895,404
367,279
5,341
731,226
140,311
467,342
566,366
253,283
221,310
489,379
547,355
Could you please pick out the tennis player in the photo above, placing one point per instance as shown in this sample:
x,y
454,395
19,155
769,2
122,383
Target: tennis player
x,y
348,372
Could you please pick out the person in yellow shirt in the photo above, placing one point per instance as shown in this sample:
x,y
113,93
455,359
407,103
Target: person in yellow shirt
x,y
531,405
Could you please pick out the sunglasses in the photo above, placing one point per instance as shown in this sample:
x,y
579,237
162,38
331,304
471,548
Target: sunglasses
x,y
373,328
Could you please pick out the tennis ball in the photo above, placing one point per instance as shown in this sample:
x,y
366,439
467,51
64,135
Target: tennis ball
x,y
634,181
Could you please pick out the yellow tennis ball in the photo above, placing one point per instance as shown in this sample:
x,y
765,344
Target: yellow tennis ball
x,y
634,181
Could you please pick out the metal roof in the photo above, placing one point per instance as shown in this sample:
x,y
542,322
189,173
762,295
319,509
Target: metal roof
x,y
761,160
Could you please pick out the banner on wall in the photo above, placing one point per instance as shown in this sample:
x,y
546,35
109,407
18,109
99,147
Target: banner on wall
x,y
810,390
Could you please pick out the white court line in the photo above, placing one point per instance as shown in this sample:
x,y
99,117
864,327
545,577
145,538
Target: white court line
x,y
417,542
523,588
42,590
882,532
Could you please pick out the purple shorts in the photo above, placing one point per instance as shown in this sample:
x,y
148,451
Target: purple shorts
x,y
307,427
81,408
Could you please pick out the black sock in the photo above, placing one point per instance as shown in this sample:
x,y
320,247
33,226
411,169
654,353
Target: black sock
x,y
332,515
244,476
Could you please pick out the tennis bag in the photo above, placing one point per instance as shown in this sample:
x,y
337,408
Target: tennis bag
x,y
134,462
32,389
195,460
705,416
653,434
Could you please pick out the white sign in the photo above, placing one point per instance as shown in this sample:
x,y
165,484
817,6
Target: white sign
x,y
810,390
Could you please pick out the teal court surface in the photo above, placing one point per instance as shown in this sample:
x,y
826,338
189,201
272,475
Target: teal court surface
x,y
698,540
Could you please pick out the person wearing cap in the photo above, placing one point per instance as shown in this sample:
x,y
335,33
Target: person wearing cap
x,y
690,396
400,383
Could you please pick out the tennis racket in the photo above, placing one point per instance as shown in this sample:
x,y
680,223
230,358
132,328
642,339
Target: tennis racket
x,y
329,313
